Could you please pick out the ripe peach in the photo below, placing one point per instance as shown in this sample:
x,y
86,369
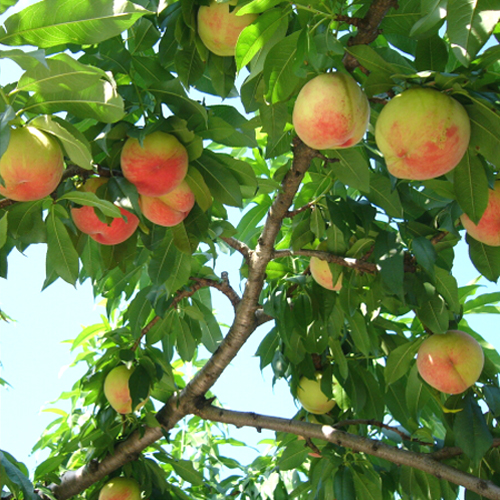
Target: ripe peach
x,y
320,271
120,488
158,166
331,112
170,209
311,396
117,391
451,362
422,134
32,165
219,28
87,222
487,231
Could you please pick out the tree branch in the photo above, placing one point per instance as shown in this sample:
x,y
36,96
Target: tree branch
x,y
245,322
238,245
421,461
368,29
222,286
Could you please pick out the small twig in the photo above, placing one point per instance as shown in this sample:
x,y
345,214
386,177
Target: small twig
x,y
238,245
455,451
353,21
360,265
376,423
223,286
292,213
439,237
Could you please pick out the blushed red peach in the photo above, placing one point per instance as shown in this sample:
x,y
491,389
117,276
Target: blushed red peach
x,y
86,220
450,363
170,209
320,271
120,488
32,166
158,166
117,392
487,230
219,27
331,112
422,134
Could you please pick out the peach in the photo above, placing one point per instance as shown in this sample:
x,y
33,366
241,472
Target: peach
x,y
219,28
120,488
158,166
422,134
451,362
117,392
32,166
87,222
487,230
320,271
331,112
170,209
312,398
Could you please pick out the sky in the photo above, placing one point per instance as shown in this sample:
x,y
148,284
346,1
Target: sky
x,y
34,351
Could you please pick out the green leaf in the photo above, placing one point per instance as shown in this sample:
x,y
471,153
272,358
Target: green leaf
x,y
256,35
353,168
100,101
485,128
86,334
371,60
59,73
221,182
431,54
389,256
199,188
139,383
15,476
267,348
57,22
173,95
399,361
3,230
344,484
471,186
367,483
139,311
249,223
417,485
470,24
486,259
447,287
186,344
382,194
258,6
425,254
26,60
359,333
471,430
433,314
74,142
61,254
279,69
90,199
189,65
293,455
185,470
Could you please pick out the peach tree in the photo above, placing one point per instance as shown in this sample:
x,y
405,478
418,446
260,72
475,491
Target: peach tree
x,y
214,86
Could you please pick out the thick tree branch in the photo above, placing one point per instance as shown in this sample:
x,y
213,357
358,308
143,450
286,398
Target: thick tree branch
x,y
421,461
245,322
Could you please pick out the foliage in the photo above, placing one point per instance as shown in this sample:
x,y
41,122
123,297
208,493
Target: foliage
x,y
101,71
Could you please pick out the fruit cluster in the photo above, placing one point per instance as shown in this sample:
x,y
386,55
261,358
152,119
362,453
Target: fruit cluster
x,y
33,165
